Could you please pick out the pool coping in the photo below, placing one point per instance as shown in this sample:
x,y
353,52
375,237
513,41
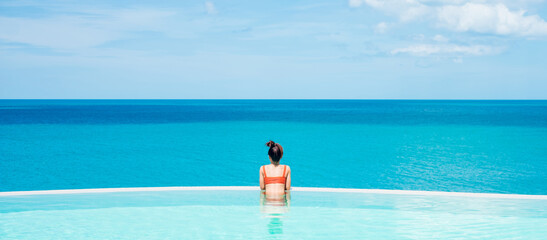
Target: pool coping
x,y
256,188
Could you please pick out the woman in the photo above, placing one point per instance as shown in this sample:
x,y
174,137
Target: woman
x,y
275,179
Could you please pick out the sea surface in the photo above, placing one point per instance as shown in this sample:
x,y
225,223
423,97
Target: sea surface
x,y
456,146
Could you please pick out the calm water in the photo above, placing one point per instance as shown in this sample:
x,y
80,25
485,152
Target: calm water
x,y
239,215
471,146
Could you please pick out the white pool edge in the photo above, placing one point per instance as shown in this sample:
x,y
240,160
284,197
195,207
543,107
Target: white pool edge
x,y
294,189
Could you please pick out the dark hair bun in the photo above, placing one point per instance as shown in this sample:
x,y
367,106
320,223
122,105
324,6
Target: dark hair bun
x,y
275,152
270,144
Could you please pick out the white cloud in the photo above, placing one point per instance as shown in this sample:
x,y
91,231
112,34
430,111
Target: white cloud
x,y
429,49
483,16
440,38
490,19
381,27
210,7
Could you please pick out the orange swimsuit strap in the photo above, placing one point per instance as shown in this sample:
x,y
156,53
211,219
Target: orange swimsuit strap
x,y
268,180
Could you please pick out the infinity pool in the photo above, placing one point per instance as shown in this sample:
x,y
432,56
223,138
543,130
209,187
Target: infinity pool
x,y
243,213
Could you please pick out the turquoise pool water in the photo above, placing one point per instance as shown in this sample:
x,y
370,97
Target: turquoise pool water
x,y
241,214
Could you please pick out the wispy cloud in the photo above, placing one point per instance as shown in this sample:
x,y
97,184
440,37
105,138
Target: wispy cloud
x,y
81,30
59,32
381,27
458,60
440,38
355,3
405,10
210,7
430,49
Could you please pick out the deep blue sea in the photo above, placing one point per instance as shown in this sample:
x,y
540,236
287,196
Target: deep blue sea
x,y
465,146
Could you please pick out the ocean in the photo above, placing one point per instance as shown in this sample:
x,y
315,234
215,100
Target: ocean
x,y
433,145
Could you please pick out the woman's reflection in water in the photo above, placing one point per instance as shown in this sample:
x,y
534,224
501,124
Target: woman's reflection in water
x,y
275,207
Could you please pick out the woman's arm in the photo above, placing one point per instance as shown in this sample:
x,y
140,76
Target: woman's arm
x,y
262,186
288,181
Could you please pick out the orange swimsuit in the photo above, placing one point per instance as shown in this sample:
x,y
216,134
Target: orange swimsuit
x,y
268,180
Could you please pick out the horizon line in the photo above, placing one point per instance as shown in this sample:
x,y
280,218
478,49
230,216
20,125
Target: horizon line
x,y
388,99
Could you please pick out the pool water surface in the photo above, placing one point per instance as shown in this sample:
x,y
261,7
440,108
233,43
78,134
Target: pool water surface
x,y
243,213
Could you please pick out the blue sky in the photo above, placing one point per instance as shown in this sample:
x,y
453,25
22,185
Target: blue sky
x,y
357,49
